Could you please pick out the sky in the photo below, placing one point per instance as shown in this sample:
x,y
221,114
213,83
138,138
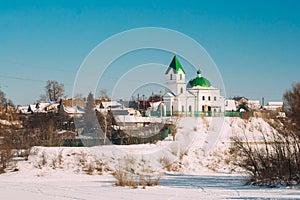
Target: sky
x,y
255,44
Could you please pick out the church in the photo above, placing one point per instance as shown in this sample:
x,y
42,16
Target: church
x,y
196,98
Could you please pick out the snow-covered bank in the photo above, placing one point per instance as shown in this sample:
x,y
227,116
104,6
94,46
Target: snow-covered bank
x,y
201,149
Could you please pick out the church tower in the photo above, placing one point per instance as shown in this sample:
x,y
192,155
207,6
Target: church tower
x,y
175,77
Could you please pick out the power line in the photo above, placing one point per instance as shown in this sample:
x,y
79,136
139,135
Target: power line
x,y
27,79
20,78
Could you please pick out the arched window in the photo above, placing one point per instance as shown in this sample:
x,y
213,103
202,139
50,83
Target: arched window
x,y
203,98
203,108
182,108
180,76
190,108
181,90
208,98
215,98
170,76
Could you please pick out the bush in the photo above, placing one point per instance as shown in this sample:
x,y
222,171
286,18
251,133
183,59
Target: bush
x,y
124,178
272,161
275,160
5,152
129,175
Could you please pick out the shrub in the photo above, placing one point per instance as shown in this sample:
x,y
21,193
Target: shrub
x,y
124,178
274,160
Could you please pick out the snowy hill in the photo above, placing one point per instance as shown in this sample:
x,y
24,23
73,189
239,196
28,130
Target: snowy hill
x,y
201,147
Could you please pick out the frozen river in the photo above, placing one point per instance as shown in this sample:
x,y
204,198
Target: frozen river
x,y
69,186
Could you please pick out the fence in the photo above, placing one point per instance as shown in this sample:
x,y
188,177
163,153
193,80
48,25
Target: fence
x,y
205,114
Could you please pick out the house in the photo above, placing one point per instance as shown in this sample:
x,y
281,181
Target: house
x,y
241,100
110,104
230,105
254,104
197,97
40,107
278,106
74,111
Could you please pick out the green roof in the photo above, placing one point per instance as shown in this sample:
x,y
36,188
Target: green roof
x,y
175,65
199,81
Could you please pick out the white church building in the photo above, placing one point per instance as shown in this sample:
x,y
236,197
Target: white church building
x,y
195,98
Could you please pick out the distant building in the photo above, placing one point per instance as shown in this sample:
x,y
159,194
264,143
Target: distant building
x,y
254,104
240,100
196,97
40,107
230,105
274,106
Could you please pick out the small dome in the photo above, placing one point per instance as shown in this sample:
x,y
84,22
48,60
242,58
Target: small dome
x,y
198,81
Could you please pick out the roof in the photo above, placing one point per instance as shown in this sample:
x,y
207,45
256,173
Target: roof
x,y
239,98
175,65
110,104
41,107
199,81
279,103
74,110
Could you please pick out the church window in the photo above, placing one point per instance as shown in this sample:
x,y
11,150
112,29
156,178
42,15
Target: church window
x,y
190,108
170,76
203,108
180,76
215,98
181,90
203,98
208,98
182,108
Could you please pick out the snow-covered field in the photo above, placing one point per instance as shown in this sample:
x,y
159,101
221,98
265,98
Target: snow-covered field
x,y
201,167
62,185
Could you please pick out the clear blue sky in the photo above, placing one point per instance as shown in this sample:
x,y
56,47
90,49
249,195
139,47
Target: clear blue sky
x,y
255,44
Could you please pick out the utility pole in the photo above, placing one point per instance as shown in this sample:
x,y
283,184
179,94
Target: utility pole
x,y
161,103
138,101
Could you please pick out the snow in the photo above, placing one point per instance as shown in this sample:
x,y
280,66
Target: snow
x,y
5,122
199,171
63,185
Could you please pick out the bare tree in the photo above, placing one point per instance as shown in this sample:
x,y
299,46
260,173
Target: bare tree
x,y
291,102
103,93
54,90
276,159
3,99
43,97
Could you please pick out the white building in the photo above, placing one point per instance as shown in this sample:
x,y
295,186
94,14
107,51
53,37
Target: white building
x,y
254,104
197,97
274,106
230,105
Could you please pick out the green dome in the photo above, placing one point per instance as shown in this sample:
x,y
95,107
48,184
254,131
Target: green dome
x,y
199,81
